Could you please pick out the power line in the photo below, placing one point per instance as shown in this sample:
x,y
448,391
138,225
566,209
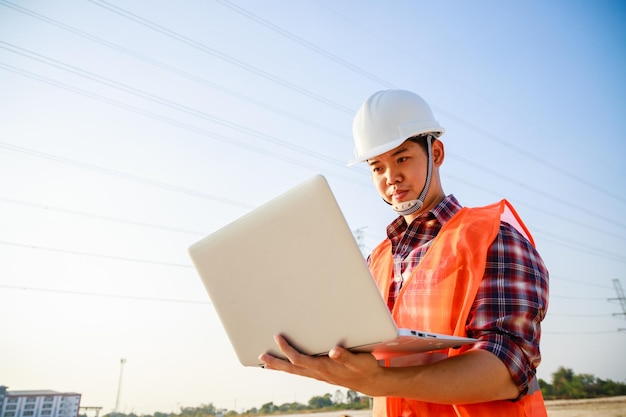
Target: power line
x,y
181,301
214,52
578,298
145,261
543,194
359,233
585,249
452,116
184,301
174,70
302,42
99,216
93,255
175,122
325,53
298,40
166,102
539,209
591,284
129,177
532,156
103,295
223,122
617,258
572,244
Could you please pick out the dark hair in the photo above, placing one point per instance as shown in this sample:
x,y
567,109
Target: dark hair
x,y
421,141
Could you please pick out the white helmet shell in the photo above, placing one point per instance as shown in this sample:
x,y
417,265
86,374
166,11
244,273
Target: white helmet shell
x,y
388,118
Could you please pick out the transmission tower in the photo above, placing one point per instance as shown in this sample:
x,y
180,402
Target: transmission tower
x,y
620,298
359,235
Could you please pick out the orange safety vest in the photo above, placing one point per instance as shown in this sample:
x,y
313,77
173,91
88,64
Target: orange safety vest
x,y
438,295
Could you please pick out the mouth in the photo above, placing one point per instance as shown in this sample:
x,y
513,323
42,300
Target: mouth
x,y
399,195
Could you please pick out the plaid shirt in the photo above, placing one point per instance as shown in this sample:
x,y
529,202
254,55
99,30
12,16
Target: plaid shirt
x,y
512,298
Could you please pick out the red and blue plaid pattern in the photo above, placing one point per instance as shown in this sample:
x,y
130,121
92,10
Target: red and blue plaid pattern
x,y
513,296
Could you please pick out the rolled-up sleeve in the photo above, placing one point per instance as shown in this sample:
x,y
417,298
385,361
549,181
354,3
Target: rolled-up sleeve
x,y
511,302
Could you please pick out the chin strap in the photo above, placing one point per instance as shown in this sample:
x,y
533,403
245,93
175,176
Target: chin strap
x,y
409,207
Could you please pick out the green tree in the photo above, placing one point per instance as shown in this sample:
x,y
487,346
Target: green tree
x,y
268,408
562,382
321,402
566,384
612,388
290,407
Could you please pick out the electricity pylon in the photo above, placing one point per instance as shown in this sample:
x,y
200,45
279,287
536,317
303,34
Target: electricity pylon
x,y
359,235
621,299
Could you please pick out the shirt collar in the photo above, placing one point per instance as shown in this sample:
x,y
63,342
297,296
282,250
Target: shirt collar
x,y
442,212
446,209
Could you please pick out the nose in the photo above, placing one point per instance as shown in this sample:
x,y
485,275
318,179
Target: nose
x,y
392,176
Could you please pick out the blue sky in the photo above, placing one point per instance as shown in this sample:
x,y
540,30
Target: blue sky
x,y
129,130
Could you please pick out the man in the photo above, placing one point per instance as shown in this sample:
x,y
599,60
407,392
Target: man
x,y
443,268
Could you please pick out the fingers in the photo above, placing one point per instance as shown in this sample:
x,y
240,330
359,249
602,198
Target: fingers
x,y
302,364
292,361
289,351
339,367
299,359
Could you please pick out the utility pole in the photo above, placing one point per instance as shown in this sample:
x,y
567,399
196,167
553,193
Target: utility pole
x,y
119,387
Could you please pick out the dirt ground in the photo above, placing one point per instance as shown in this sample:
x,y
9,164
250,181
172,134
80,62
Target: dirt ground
x,y
599,407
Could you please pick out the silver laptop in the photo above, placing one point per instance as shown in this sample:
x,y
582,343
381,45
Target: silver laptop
x,y
292,267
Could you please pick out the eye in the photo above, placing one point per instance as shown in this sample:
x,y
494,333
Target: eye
x,y
402,159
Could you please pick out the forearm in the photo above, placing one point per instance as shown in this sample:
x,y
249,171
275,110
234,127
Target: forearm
x,y
475,376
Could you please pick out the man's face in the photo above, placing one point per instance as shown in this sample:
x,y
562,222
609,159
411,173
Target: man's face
x,y
399,174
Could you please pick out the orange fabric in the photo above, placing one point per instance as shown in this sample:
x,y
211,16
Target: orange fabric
x,y
438,295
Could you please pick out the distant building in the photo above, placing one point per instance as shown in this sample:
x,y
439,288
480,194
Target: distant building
x,y
3,393
44,403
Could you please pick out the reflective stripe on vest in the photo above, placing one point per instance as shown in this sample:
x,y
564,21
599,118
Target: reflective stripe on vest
x,y
438,295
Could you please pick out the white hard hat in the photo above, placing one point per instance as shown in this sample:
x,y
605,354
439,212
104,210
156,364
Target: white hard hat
x,y
387,119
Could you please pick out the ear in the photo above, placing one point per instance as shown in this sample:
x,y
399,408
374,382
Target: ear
x,y
438,152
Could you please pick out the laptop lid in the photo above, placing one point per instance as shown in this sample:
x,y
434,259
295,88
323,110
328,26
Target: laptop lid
x,y
292,267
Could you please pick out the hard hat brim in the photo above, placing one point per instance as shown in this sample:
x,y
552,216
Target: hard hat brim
x,y
386,147
379,150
